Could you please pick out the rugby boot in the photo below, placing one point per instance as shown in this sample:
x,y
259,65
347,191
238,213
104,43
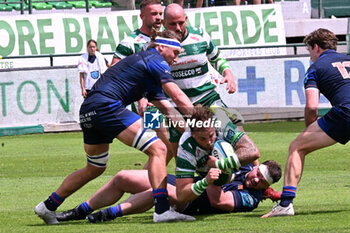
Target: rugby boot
x,y
279,210
100,216
69,215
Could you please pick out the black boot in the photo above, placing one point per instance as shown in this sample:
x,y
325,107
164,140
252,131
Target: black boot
x,y
100,216
73,214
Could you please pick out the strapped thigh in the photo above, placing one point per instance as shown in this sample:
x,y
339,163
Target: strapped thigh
x,y
98,160
144,138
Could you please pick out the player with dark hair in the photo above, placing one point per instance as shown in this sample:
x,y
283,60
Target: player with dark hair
x,y
242,194
329,75
194,155
103,117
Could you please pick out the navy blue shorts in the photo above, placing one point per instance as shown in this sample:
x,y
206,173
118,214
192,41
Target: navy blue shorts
x,y
336,124
101,124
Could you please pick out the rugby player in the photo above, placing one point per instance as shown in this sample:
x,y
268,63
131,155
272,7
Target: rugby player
x,y
196,71
103,117
329,75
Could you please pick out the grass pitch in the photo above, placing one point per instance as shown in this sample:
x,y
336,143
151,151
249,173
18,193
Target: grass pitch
x,y
33,166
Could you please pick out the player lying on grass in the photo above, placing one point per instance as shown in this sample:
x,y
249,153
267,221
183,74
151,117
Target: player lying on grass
x,y
243,194
193,155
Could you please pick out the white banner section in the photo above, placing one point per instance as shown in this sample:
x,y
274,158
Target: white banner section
x,y
269,83
32,97
53,96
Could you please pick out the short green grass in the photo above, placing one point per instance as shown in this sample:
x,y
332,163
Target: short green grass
x,y
33,166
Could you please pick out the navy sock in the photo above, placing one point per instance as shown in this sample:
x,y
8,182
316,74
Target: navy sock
x,y
53,202
161,200
114,211
85,208
288,194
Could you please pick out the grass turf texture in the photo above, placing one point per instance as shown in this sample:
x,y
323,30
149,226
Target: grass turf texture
x,y
32,166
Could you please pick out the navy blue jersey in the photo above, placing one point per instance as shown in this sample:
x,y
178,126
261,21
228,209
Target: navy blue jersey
x,y
136,76
244,199
330,74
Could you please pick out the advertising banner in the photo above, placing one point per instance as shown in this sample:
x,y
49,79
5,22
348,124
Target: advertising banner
x,y
32,97
68,33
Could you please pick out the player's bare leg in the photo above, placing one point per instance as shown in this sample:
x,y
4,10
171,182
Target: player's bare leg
x,y
311,139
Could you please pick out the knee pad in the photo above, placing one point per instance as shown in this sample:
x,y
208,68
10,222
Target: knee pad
x,y
144,138
98,160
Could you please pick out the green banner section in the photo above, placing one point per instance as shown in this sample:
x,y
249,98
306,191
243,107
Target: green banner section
x,y
7,131
238,26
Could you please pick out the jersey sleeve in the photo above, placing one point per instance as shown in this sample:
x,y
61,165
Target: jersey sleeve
x,y
214,55
123,50
160,72
185,167
310,80
246,200
185,160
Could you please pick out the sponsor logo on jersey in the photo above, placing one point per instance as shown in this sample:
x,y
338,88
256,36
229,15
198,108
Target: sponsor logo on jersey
x,y
229,134
186,73
184,62
194,38
198,153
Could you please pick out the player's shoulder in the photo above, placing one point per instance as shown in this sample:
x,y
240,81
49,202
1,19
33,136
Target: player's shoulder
x,y
195,31
153,57
187,143
136,37
185,136
134,33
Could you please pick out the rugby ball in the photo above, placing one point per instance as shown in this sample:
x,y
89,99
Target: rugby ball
x,y
222,150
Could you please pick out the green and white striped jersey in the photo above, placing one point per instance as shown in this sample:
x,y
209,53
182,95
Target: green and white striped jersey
x,y
191,158
132,43
193,72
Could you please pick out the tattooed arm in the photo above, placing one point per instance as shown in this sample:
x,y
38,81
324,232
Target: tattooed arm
x,y
247,151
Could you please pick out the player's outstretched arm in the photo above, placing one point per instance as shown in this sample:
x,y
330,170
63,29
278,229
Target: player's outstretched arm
x,y
246,150
179,97
170,112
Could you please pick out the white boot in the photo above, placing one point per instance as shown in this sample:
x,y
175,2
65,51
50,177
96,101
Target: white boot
x,y
170,216
48,216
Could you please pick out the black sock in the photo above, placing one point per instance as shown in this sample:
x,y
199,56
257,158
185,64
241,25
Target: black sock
x,y
161,200
53,202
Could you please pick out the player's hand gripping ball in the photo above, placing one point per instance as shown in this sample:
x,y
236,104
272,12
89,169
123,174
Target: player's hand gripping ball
x,y
222,150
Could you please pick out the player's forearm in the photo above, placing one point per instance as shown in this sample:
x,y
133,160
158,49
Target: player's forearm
x,y
184,104
179,98
171,113
220,63
186,194
187,191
